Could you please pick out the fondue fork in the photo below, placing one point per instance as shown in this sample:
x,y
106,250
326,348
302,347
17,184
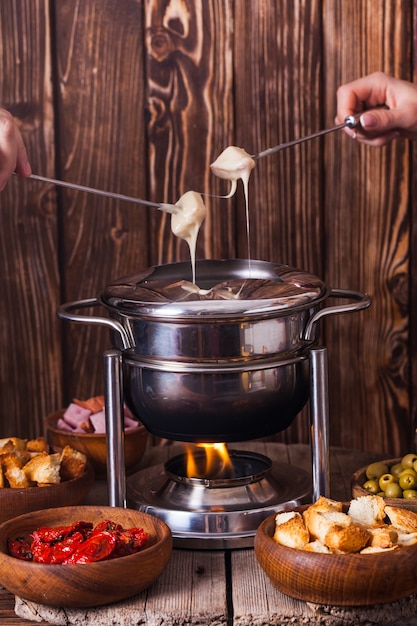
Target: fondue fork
x,y
167,208
351,121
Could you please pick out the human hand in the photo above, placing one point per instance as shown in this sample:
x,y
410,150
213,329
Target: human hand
x,y
396,115
13,155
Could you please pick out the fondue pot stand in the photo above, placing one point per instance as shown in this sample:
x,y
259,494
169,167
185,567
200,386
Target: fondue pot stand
x,y
231,358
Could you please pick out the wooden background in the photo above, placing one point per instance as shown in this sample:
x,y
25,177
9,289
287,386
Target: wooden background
x,y
138,97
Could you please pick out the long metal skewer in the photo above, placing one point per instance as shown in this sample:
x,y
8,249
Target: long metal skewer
x,y
167,208
352,121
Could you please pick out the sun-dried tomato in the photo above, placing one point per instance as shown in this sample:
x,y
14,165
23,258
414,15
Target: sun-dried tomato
x,y
57,551
58,533
107,525
130,540
20,548
96,548
79,543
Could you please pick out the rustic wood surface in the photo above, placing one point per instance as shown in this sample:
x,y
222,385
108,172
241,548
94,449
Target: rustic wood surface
x,y
225,588
138,97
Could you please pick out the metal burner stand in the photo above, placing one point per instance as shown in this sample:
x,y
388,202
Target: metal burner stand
x,y
217,528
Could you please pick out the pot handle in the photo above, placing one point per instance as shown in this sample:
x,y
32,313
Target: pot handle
x,y
65,312
362,301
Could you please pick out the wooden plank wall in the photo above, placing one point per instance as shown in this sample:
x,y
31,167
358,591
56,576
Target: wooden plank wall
x,y
138,97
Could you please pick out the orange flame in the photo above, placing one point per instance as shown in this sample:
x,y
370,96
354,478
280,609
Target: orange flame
x,y
217,462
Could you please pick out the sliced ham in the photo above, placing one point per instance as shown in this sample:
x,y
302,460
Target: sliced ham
x,y
80,418
130,423
76,415
98,421
63,425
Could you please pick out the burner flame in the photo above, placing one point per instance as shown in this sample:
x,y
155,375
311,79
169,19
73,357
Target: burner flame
x,y
215,463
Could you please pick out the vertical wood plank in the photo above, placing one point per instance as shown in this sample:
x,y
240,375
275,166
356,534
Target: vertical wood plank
x,y
368,237
277,99
190,81
413,252
30,365
102,143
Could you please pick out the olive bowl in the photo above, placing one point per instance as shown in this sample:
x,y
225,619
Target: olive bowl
x,y
84,584
359,478
94,445
335,579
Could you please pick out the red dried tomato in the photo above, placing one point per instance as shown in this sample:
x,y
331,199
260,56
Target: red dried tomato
x,y
96,548
57,551
20,548
79,543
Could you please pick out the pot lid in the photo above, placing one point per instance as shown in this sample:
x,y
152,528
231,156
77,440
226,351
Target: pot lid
x,y
223,288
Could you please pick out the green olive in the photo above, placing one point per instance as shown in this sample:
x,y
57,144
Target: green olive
x,y
409,471
409,494
396,469
408,460
385,480
407,480
393,490
371,485
415,466
375,470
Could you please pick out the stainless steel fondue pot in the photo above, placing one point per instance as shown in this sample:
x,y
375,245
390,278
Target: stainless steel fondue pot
x,y
232,359
224,361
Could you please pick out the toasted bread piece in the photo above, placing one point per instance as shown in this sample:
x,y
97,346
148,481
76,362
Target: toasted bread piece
x,y
290,530
10,460
316,546
7,447
44,468
348,538
376,549
16,444
17,478
319,523
73,463
406,539
402,519
17,458
367,510
326,504
280,518
2,485
383,537
37,445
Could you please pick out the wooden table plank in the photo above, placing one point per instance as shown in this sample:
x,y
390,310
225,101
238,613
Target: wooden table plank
x,y
190,590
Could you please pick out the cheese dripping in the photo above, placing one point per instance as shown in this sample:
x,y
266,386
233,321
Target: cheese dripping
x,y
233,164
186,222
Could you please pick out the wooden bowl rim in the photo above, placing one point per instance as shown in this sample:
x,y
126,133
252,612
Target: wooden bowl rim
x,y
164,529
87,475
295,554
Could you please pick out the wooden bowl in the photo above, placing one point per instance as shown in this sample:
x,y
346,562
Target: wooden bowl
x,y
94,445
84,584
14,502
335,579
359,478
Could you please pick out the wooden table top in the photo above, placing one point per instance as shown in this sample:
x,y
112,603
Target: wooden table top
x,y
217,587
